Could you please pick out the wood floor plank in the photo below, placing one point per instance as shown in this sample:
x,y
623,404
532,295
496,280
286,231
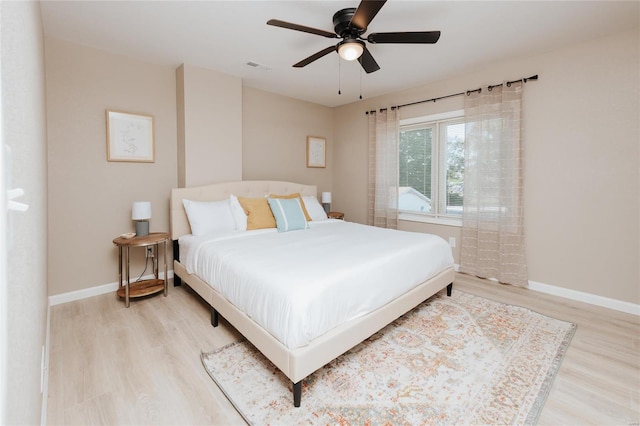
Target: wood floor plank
x,y
110,365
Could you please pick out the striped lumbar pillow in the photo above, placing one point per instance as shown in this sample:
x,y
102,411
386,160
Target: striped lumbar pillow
x,y
288,213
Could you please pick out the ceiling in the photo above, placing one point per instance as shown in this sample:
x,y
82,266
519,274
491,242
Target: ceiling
x,y
226,35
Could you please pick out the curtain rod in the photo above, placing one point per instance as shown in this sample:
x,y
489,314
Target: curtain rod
x,y
468,92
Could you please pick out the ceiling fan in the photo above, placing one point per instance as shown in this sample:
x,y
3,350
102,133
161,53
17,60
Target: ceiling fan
x,y
349,25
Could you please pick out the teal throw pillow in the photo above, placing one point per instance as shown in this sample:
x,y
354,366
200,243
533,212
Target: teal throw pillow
x,y
288,213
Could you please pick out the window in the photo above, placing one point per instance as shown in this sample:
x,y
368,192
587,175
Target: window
x,y
431,166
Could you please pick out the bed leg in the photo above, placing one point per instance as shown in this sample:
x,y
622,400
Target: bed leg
x,y
297,393
449,288
177,281
214,317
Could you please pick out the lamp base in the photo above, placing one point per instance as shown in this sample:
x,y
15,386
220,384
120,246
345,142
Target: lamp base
x,y
142,228
327,207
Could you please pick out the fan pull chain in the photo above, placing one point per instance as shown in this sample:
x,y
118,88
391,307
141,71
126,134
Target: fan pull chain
x,y
360,82
339,76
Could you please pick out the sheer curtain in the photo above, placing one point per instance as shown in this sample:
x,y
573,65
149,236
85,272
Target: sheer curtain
x,y
384,131
493,243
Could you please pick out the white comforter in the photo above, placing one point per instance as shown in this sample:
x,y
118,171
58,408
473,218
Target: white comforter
x,y
300,284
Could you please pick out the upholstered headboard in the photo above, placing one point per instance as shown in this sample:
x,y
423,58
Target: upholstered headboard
x,y
220,191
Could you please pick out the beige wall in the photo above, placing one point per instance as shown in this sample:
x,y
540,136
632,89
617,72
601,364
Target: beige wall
x,y
582,161
209,108
581,134
274,145
90,199
24,131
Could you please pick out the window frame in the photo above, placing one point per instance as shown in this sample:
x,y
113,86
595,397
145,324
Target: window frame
x,y
434,120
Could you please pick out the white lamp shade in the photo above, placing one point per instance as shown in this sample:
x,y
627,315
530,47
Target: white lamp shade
x,y
141,210
350,50
326,197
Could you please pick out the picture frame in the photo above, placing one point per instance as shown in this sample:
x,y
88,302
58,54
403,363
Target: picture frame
x,y
130,137
316,152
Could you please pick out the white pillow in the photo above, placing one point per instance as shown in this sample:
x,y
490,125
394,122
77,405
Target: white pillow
x,y
209,216
239,216
315,210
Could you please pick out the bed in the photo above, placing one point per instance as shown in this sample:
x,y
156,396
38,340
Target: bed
x,y
313,326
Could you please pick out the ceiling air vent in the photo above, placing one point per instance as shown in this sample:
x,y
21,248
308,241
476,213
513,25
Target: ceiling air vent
x,y
258,66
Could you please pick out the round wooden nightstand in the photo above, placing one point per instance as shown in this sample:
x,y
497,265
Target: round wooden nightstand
x,y
142,287
335,215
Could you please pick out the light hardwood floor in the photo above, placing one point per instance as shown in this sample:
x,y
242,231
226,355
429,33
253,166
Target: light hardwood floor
x,y
114,366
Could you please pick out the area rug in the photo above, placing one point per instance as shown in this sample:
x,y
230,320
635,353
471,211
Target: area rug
x,y
462,359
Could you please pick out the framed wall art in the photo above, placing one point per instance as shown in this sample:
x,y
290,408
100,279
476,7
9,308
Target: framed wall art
x,y
130,137
316,151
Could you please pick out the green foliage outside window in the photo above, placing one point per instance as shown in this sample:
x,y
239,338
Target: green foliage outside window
x,y
416,161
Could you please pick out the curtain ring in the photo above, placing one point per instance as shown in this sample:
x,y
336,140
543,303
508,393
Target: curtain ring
x,y
468,92
490,88
508,84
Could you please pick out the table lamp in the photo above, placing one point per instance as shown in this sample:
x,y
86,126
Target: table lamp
x,y
326,201
141,213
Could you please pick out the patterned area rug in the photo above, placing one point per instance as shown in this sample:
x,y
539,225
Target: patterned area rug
x,y
453,360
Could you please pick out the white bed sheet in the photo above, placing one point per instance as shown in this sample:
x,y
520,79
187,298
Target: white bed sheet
x,y
298,285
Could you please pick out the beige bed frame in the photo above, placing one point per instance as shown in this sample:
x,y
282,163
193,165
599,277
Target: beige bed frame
x,y
298,363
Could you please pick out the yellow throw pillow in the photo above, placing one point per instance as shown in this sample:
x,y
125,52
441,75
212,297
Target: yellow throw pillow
x,y
259,215
295,195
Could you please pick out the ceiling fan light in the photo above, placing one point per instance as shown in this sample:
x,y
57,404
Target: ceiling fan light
x,y
350,49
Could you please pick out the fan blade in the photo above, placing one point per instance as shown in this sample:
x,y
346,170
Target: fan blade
x,y
367,10
368,63
405,37
290,26
315,57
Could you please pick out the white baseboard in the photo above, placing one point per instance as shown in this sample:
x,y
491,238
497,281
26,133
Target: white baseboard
x,y
57,299
580,296
553,290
